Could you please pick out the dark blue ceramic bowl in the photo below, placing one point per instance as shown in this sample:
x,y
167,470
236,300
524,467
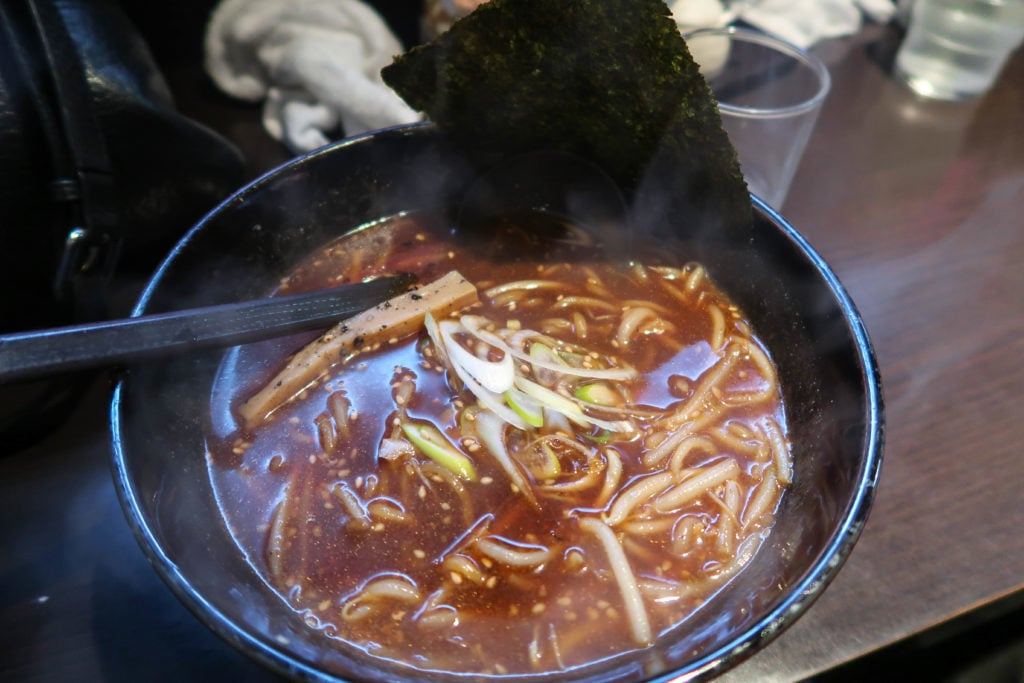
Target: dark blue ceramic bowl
x,y
826,365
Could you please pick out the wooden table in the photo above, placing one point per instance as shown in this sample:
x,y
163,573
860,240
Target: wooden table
x,y
919,207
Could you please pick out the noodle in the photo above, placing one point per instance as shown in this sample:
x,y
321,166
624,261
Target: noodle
x,y
353,505
696,276
728,523
325,431
697,485
612,477
464,566
718,328
515,555
386,510
631,321
581,452
526,285
708,381
634,604
276,537
745,444
638,493
585,302
579,324
338,405
687,446
395,588
780,452
764,496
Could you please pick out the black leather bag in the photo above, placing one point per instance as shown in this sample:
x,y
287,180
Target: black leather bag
x,y
99,174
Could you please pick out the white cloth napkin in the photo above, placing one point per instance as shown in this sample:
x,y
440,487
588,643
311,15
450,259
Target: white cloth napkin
x,y
315,64
801,22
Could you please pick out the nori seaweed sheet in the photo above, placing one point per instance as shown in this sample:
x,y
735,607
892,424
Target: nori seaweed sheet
x,y
609,80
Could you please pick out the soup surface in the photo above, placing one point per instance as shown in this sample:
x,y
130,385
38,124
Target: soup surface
x,y
555,474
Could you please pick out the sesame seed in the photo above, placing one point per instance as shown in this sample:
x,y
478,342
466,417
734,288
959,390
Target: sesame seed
x,y
538,608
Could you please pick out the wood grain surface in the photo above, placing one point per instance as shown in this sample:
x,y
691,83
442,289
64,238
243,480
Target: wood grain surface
x,y
919,207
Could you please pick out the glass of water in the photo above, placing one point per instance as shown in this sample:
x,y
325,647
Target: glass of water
x,y
954,49
769,94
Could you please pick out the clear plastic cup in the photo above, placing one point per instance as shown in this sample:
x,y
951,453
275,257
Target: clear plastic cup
x,y
955,49
769,94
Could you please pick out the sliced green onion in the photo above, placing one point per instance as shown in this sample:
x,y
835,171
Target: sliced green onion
x,y
495,376
527,408
433,443
491,432
541,356
560,404
545,354
541,460
598,393
487,398
435,336
550,399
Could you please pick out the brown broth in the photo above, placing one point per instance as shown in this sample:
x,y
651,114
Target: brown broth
x,y
278,485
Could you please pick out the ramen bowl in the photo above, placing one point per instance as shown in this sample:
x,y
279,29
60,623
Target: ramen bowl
x,y
160,411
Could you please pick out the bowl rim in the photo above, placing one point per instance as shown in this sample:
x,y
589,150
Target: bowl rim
x,y
756,635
